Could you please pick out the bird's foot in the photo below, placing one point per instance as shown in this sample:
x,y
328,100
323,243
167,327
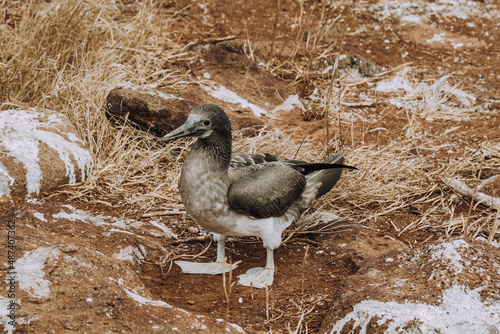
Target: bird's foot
x,y
211,268
257,277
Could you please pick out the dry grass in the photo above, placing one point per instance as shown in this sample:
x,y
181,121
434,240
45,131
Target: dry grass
x,y
67,55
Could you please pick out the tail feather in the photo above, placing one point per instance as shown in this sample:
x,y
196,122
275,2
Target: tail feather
x,y
327,177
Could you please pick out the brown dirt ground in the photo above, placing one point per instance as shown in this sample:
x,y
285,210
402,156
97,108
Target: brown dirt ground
x,y
304,283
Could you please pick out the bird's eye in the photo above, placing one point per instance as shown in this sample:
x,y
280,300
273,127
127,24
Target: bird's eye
x,y
206,122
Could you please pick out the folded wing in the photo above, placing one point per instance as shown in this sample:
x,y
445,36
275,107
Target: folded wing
x,y
264,191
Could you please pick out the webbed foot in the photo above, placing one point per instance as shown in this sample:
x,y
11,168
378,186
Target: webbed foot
x,y
210,268
257,277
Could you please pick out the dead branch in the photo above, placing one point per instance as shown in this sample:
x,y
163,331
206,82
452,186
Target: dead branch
x,y
464,190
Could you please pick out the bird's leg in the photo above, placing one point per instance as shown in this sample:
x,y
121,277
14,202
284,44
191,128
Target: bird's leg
x,y
270,259
221,247
260,277
211,268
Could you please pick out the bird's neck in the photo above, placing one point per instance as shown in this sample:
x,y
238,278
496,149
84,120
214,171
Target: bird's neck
x,y
217,150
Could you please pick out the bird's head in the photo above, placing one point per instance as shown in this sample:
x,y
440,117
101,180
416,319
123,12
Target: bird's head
x,y
204,121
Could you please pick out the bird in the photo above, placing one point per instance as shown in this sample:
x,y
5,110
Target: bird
x,y
243,194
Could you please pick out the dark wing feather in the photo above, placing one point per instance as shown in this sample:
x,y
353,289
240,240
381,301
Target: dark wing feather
x,y
328,177
242,160
265,191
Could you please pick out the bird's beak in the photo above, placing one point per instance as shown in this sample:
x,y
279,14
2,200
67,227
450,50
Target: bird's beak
x,y
191,128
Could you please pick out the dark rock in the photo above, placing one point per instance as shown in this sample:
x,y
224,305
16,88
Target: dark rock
x,y
159,112
365,67
150,110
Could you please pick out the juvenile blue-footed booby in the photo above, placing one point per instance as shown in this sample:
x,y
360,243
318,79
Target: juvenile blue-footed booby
x,y
244,195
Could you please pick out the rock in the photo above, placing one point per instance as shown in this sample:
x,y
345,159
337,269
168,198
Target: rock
x,y
151,110
76,271
39,151
158,111
444,287
365,67
355,65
